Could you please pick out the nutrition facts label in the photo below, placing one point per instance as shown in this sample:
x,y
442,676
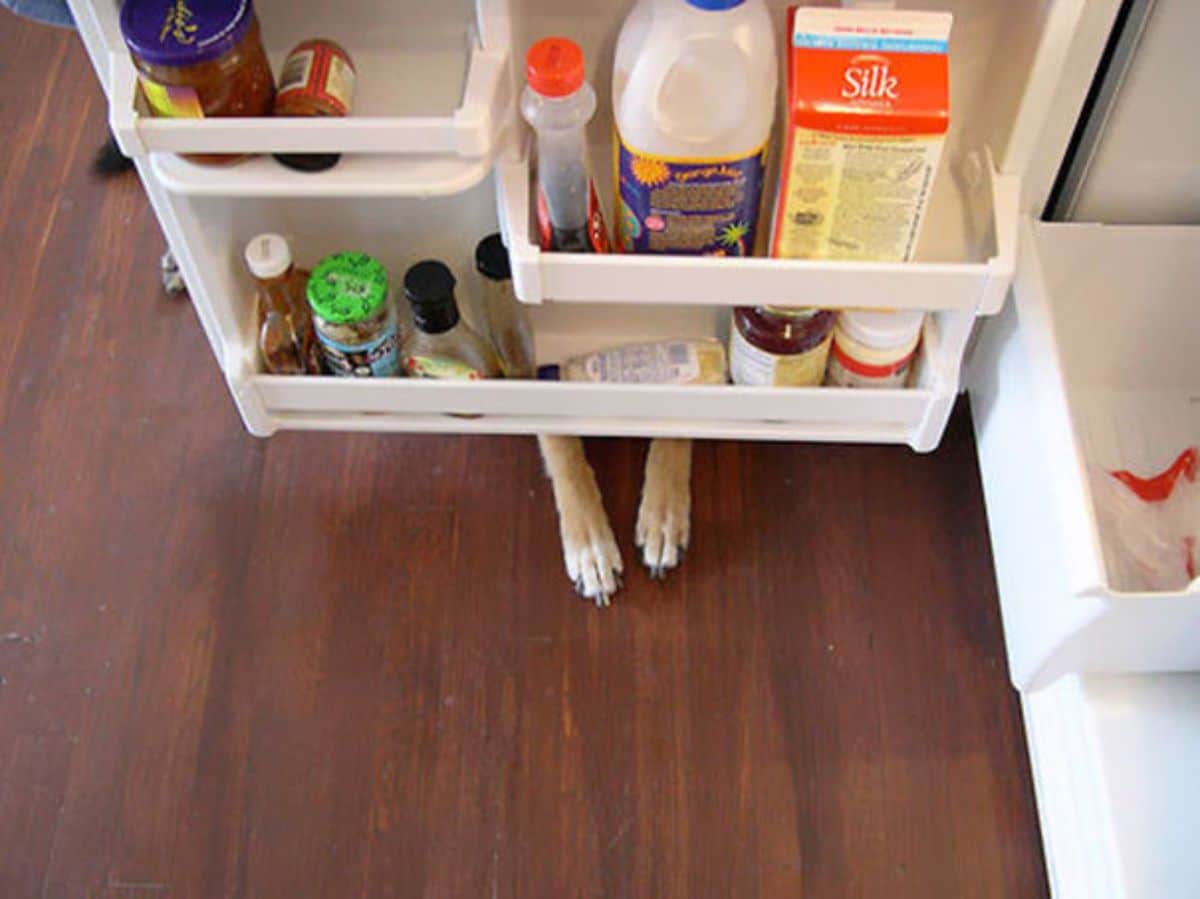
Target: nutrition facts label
x,y
855,197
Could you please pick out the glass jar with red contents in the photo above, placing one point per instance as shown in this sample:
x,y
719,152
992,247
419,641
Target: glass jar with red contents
x,y
775,346
199,59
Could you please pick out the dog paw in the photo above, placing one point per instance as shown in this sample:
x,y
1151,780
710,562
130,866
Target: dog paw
x,y
662,532
172,277
592,558
664,517
589,548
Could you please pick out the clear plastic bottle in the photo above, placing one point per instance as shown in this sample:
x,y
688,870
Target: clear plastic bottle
x,y
285,327
694,84
507,323
441,345
558,103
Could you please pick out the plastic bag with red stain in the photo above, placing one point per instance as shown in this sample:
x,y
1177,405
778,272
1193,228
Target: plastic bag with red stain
x,y
1152,524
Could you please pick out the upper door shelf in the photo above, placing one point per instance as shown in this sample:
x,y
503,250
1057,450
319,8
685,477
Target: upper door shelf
x,y
971,253
431,100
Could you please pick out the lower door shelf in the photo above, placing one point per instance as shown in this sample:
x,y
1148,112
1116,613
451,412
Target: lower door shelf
x,y
209,233
270,403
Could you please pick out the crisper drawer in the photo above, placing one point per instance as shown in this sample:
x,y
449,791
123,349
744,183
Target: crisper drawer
x,y
1091,370
208,234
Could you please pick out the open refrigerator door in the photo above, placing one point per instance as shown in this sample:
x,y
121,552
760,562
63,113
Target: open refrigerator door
x,y
1086,399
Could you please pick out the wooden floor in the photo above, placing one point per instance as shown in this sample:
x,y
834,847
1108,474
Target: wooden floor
x,y
343,666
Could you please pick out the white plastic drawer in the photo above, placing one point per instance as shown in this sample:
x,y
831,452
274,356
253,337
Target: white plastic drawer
x,y
1105,320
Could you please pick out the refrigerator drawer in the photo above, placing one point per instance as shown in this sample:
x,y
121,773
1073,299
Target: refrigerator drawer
x,y
1092,369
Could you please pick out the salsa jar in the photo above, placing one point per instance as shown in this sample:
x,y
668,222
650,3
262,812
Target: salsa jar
x,y
775,346
354,316
199,59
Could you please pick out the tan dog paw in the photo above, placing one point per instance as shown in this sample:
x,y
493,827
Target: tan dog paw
x,y
664,517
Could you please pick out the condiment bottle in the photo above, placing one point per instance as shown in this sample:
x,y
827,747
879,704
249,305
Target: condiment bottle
x,y
317,79
441,345
354,317
507,323
874,348
558,104
680,361
778,346
285,327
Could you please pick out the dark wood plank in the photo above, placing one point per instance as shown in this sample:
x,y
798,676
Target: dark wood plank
x,y
351,665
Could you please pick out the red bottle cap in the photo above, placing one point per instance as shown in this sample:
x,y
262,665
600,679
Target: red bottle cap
x,y
554,67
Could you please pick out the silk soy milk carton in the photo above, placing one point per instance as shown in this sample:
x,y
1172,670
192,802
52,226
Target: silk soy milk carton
x,y
868,109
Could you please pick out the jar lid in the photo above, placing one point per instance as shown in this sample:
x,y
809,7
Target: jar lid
x,y
881,328
792,312
715,5
554,67
428,283
184,32
347,287
268,256
429,286
491,259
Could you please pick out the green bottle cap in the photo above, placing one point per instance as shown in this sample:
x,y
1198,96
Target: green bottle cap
x,y
347,287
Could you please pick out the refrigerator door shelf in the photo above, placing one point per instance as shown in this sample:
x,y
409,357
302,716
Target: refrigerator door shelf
x,y
269,403
1104,324
971,229
451,98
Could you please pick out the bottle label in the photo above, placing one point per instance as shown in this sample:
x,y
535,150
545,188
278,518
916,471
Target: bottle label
x,y
688,206
675,362
755,367
317,70
377,358
594,241
171,102
846,371
442,368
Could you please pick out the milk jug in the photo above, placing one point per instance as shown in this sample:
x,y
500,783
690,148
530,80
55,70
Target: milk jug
x,y
694,86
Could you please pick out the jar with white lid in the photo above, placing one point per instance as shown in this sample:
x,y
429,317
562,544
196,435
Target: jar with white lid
x,y
874,348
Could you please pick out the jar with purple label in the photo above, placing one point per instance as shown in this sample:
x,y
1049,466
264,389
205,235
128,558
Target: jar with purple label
x,y
199,59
